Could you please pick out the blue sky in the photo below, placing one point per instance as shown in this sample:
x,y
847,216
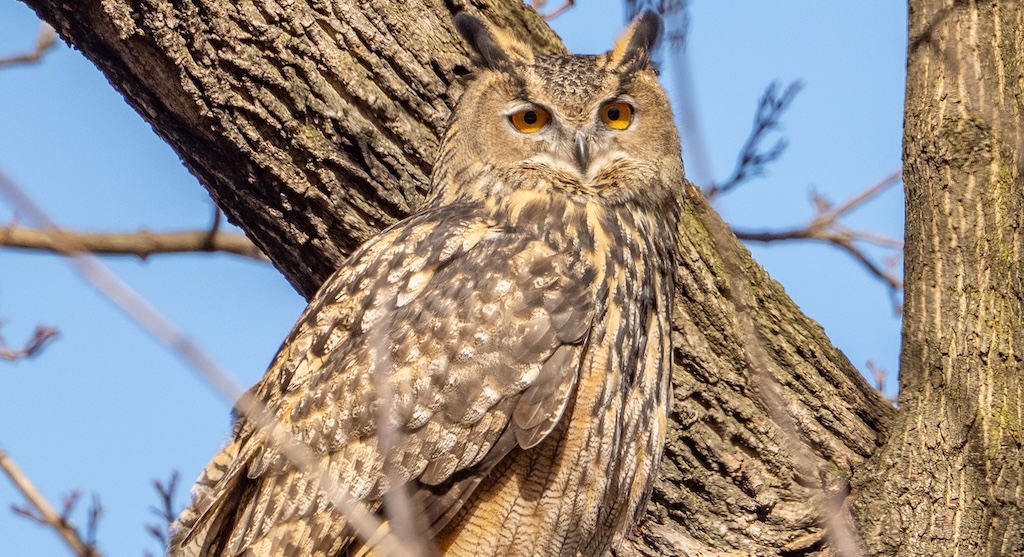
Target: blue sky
x,y
106,409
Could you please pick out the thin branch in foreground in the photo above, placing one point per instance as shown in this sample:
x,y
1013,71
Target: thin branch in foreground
x,y
833,513
141,244
825,227
40,338
41,511
47,39
753,159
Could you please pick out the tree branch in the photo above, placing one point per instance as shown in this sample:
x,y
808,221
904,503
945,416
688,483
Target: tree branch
x,y
43,512
825,227
141,244
538,4
47,39
40,338
167,510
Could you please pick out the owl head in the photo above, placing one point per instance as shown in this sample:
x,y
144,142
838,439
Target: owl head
x,y
593,126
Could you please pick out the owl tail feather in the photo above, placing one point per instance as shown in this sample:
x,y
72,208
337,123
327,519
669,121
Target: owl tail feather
x,y
194,532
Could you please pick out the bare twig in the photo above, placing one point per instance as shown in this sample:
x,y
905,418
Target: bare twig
x,y
880,374
213,232
753,159
95,512
40,338
42,511
141,244
825,227
167,510
47,39
538,4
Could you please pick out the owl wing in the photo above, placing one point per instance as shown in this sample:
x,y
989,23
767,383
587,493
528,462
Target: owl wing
x,y
463,336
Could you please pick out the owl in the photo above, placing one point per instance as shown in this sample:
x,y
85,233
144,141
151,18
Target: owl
x,y
490,375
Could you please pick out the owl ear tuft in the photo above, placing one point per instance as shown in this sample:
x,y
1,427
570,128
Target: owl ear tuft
x,y
632,51
498,50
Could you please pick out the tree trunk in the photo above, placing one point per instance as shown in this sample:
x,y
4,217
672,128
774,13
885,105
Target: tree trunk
x,y
314,125
950,479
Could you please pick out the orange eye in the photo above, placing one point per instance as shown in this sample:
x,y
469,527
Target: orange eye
x,y
617,115
529,120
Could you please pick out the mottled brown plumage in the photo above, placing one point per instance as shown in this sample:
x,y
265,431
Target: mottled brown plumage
x,y
502,355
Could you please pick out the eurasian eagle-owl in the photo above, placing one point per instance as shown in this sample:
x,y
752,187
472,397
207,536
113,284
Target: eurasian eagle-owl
x,y
499,361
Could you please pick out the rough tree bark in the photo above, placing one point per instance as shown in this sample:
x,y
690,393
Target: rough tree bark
x,y
950,479
314,124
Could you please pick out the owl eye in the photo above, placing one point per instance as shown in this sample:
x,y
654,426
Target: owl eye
x,y
529,120
617,115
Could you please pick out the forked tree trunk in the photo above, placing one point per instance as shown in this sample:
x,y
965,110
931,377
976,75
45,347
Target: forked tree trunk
x,y
314,124
950,481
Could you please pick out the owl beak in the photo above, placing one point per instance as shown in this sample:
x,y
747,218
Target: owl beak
x,y
582,152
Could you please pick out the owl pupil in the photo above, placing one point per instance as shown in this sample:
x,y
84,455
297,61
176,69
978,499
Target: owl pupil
x,y
613,113
530,117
